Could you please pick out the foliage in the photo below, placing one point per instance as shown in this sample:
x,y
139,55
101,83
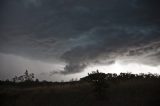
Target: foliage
x,y
99,83
125,89
122,76
25,77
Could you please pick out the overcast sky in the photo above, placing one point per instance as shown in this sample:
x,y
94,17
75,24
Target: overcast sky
x,y
64,39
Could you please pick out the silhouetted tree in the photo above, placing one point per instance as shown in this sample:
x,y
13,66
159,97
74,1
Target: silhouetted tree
x,y
26,77
37,80
15,79
99,83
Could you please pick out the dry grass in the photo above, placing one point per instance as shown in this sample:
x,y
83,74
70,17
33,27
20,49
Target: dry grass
x,y
125,93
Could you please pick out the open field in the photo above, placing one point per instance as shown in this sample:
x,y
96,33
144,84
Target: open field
x,y
134,92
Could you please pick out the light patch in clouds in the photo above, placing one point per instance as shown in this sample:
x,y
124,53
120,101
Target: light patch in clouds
x,y
80,33
118,67
16,65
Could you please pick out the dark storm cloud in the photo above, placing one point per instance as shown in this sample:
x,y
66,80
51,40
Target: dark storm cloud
x,y
80,32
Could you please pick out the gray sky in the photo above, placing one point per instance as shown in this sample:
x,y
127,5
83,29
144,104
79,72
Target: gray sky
x,y
61,39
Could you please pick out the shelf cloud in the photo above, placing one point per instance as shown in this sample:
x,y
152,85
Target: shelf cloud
x,y
80,33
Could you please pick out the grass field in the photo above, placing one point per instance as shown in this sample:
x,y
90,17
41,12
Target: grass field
x,y
134,92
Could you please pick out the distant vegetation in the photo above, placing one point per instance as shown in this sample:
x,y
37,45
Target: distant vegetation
x,y
23,78
122,76
95,89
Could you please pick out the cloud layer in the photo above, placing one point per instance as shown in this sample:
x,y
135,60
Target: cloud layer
x,y
80,33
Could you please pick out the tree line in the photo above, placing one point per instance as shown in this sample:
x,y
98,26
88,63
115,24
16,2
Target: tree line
x,y
96,75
